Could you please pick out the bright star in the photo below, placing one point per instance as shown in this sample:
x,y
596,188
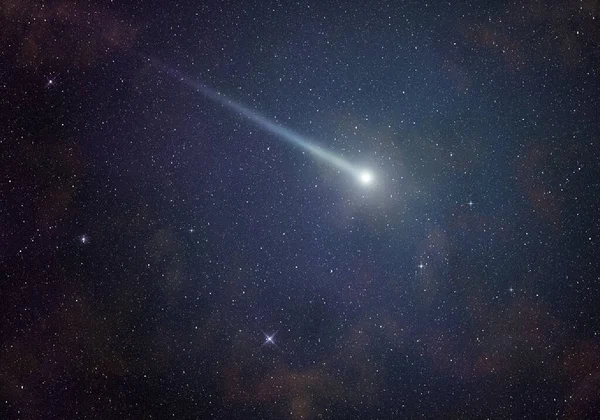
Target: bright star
x,y
83,239
270,339
366,177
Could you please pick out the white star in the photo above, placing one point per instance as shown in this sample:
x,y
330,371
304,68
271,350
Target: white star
x,y
270,339
83,239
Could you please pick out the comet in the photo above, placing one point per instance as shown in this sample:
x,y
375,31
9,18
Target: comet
x,y
363,176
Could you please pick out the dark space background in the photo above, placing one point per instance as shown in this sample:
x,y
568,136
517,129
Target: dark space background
x,y
151,240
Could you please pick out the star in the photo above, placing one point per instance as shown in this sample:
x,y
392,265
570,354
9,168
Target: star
x,y
83,239
470,203
270,339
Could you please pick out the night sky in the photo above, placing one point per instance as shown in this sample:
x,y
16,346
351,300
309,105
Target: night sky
x,y
163,255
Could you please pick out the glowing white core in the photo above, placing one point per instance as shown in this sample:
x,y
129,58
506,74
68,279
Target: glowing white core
x,y
366,177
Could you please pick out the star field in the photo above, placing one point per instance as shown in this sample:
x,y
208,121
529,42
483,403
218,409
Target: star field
x,y
165,253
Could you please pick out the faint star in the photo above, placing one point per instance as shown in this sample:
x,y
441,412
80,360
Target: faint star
x,y
83,239
191,230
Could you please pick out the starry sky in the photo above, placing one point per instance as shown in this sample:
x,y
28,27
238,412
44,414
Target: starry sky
x,y
164,256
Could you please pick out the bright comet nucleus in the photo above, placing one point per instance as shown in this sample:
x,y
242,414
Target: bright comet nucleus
x,y
366,177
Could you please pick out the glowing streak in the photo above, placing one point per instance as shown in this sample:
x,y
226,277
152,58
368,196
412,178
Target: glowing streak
x,y
285,133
